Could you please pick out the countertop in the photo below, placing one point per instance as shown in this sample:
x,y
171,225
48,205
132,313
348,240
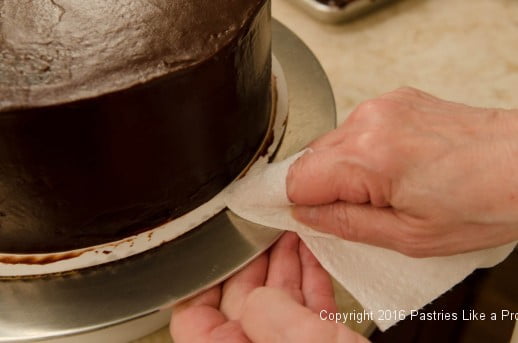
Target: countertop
x,y
460,50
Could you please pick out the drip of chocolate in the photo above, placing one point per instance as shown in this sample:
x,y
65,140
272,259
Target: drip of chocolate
x,y
117,116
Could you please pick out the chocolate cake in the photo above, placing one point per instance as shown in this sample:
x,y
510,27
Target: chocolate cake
x,y
119,115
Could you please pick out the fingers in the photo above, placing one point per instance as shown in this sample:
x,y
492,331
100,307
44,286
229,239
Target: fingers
x,y
195,319
199,320
366,224
273,316
284,271
327,175
313,178
317,287
237,288
209,298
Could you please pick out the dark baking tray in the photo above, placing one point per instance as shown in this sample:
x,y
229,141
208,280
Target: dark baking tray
x,y
337,11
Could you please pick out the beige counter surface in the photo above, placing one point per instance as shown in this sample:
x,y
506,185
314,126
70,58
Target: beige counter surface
x,y
461,50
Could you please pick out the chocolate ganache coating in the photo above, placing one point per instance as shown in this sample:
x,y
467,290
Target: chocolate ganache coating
x,y
119,115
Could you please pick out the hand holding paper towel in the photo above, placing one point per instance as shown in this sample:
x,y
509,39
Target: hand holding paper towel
x,y
378,278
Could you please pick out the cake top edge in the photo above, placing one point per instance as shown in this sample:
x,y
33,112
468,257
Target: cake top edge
x,y
61,51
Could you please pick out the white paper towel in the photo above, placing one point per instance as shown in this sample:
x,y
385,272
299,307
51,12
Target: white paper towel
x,y
385,282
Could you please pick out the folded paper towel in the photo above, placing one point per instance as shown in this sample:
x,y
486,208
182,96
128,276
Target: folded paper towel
x,y
386,283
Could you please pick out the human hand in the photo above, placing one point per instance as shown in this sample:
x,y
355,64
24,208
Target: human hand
x,y
276,298
413,173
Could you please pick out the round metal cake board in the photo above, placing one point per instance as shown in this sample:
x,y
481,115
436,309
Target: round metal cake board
x,y
127,299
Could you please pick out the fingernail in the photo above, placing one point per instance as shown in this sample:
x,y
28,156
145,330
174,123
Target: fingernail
x,y
308,215
290,185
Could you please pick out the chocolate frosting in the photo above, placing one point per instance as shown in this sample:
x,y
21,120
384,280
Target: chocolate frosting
x,y
55,51
116,116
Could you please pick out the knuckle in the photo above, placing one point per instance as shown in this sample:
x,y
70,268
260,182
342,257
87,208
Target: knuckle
x,y
372,106
374,112
341,214
379,148
369,140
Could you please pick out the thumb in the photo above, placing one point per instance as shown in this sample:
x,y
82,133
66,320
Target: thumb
x,y
362,223
333,173
272,316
